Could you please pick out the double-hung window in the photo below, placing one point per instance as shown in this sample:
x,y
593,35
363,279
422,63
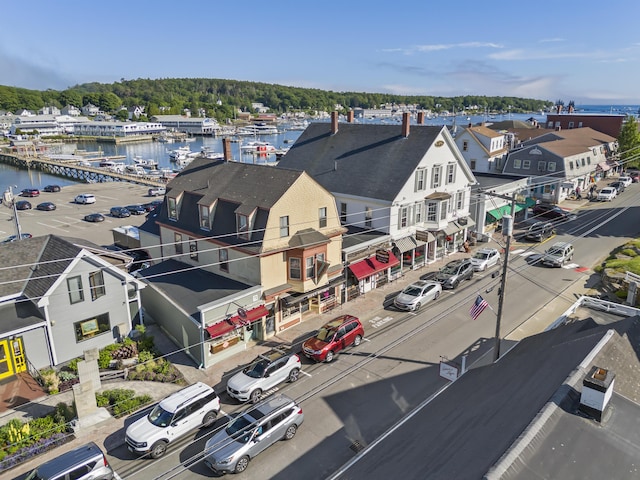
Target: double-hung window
x,y
74,286
284,226
172,207
432,212
436,176
451,173
96,285
204,217
322,217
295,272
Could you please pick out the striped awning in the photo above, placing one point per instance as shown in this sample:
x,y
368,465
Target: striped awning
x,y
407,244
369,266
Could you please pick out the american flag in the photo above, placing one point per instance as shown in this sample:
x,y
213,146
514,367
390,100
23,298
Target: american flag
x,y
478,307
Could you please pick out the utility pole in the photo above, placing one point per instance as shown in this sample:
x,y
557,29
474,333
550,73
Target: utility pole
x,y
507,229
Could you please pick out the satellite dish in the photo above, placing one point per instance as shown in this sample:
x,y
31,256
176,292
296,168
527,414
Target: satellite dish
x,y
242,313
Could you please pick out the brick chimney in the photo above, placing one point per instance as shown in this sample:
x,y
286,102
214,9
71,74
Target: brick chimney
x,y
226,149
420,118
334,123
406,120
350,116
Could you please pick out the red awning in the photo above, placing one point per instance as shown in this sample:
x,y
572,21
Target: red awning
x,y
369,266
220,328
252,315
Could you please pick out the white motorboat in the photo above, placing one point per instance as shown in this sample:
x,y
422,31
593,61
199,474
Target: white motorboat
x,y
258,147
257,129
180,153
146,163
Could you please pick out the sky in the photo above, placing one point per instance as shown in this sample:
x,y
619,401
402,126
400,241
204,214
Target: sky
x,y
586,51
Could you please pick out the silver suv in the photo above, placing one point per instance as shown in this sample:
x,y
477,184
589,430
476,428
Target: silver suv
x,y
266,372
558,254
194,406
454,272
230,450
83,463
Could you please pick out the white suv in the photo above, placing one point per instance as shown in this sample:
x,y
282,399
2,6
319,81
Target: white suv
x,y
265,373
194,406
85,198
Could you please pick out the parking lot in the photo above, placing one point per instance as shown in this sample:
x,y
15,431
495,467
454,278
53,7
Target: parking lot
x,y
68,217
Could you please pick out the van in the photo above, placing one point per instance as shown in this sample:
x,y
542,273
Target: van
x,y
83,463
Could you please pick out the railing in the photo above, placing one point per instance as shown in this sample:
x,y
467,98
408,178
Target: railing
x,y
35,373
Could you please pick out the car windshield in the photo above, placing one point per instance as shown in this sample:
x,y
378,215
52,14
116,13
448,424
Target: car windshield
x,y
555,252
325,334
412,291
33,476
256,370
481,255
449,269
160,417
240,428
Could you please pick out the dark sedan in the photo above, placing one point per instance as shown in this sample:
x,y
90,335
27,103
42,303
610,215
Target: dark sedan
x,y
46,206
52,188
552,212
119,212
149,207
619,186
30,192
136,209
23,205
94,217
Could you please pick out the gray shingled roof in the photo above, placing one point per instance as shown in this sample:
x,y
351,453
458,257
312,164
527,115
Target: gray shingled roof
x,y
189,287
372,161
235,187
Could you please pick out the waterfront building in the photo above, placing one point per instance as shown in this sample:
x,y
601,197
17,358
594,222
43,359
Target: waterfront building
x,y
118,129
190,125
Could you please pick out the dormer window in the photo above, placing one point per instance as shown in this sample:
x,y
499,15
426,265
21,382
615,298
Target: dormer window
x,y
451,173
172,208
242,226
204,217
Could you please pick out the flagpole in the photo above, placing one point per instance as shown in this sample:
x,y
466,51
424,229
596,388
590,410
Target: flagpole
x,y
503,282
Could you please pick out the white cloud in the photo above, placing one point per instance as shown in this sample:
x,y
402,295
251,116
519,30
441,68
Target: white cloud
x,y
442,46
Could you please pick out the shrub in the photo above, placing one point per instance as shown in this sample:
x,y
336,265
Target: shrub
x,y
104,359
145,356
121,401
65,375
51,380
73,365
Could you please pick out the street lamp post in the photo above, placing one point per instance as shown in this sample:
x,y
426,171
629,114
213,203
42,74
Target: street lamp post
x,y
9,199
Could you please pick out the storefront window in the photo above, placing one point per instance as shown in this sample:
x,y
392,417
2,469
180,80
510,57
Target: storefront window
x,y
92,327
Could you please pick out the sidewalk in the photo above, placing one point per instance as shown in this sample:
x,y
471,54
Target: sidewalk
x,y
109,434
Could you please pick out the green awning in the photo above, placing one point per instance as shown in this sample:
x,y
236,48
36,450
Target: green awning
x,y
498,213
528,203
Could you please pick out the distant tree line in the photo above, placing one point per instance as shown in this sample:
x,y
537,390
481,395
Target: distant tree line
x,y
221,99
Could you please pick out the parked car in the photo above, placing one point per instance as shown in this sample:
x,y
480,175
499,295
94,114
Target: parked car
x,y
626,180
231,449
266,372
119,212
136,209
94,217
558,254
140,259
87,462
46,206
23,205
607,194
176,415
413,296
332,337
157,191
550,211
455,272
540,231
30,192
485,258
152,205
85,198
13,238
52,188
619,186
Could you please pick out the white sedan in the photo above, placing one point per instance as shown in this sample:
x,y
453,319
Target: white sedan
x,y
607,194
417,294
485,258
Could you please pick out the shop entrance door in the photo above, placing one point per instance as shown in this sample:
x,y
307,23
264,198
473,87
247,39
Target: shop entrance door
x,y
12,358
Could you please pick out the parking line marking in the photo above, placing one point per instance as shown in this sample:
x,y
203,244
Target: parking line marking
x,y
526,254
516,252
305,373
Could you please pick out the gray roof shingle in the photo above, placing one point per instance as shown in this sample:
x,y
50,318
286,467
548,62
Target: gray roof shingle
x,y
372,161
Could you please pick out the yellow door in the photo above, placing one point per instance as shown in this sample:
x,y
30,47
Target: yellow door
x,y
17,352
6,365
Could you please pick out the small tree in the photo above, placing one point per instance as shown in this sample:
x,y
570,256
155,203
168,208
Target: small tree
x,y
629,142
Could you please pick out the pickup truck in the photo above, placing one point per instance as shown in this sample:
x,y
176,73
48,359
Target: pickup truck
x,y
157,191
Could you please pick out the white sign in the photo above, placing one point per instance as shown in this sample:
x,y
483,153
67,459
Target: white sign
x,y
448,371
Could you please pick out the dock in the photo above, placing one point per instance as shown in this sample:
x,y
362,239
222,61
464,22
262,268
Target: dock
x,y
70,168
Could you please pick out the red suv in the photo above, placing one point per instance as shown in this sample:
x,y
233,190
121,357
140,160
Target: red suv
x,y
334,336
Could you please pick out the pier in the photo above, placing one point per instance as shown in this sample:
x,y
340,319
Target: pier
x,y
80,173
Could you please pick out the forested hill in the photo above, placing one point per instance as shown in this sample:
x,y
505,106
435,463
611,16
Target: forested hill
x,y
220,98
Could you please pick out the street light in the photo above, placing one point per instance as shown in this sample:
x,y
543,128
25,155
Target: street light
x,y
9,199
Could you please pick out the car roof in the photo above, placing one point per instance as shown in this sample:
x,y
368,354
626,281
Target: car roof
x,y
268,406
273,355
422,283
175,400
487,250
68,460
561,245
336,322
